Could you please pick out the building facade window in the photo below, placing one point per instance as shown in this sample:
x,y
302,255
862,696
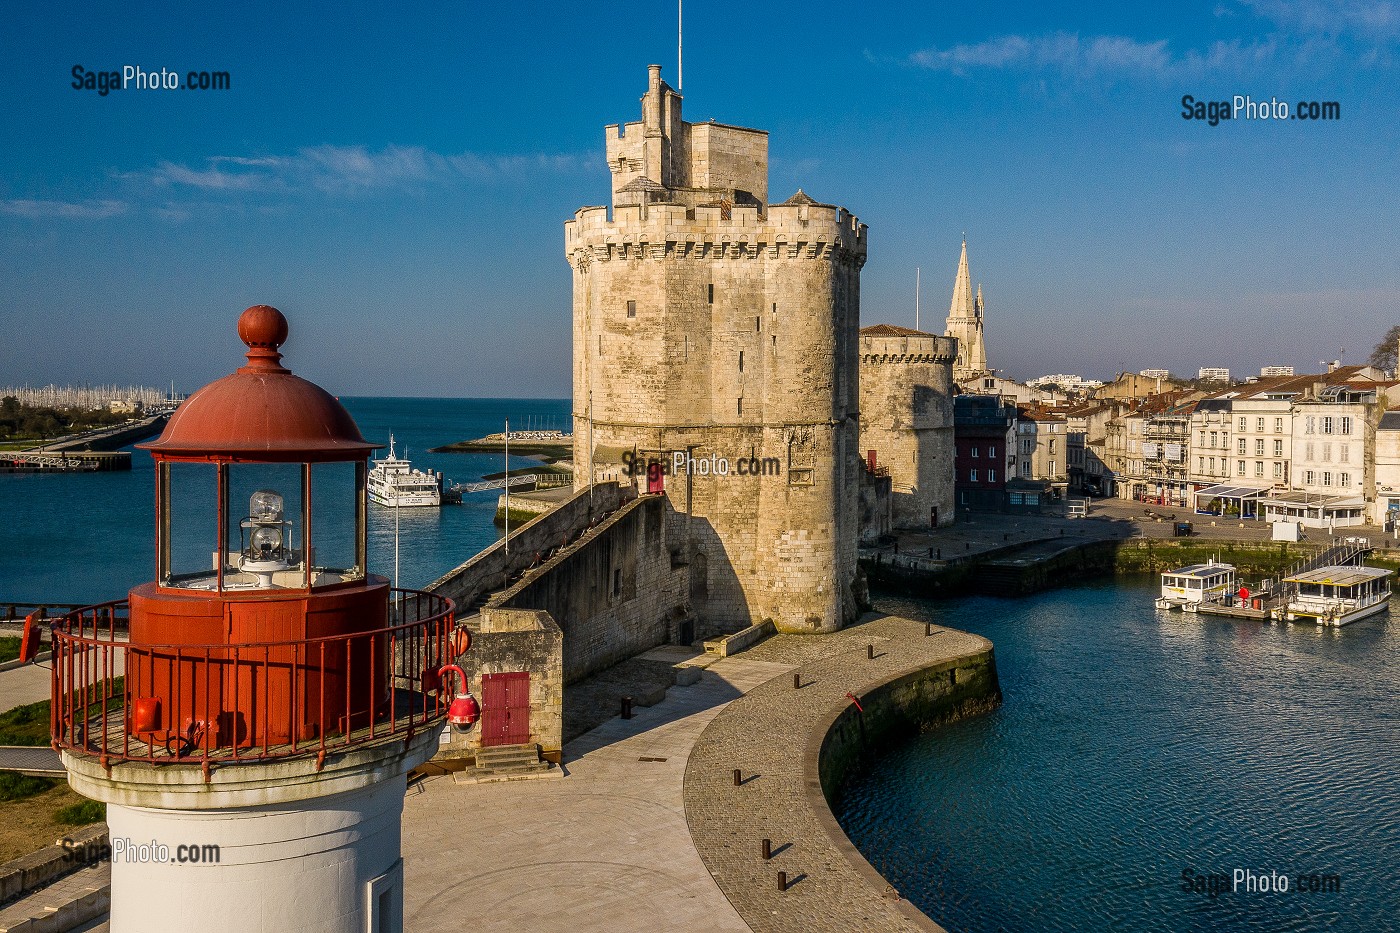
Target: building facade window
x,y
1327,477
991,451
1343,479
1258,447
1278,425
1258,467
1326,424
1051,469
1278,448
631,309
1309,477
991,476
1344,453
1239,468
1346,424
972,476
1278,470
1308,424
1244,423
1259,424
1244,446
710,294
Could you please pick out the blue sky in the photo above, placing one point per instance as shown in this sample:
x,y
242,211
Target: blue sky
x,y
397,183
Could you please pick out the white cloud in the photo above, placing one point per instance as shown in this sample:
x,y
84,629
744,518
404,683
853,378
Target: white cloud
x,y
1364,19
1089,56
36,209
344,169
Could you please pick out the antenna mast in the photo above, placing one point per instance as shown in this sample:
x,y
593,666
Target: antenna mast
x,y
916,297
680,21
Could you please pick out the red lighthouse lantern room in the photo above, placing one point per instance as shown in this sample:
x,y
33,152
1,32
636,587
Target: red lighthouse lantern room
x,y
263,631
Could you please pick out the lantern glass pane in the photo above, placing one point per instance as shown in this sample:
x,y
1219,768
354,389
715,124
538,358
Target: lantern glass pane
x,y
335,529
264,540
189,558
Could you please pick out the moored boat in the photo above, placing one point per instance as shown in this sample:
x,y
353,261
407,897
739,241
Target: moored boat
x,y
393,482
1337,595
1187,587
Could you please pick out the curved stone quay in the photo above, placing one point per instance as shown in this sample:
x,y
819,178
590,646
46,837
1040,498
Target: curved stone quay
x,y
786,742
647,831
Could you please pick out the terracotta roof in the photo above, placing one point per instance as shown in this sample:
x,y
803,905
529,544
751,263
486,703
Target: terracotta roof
x,y
893,330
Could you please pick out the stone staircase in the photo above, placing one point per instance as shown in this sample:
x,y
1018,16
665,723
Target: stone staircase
x,y
507,763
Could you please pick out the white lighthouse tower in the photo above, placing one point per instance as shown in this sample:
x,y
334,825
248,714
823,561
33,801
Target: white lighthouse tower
x,y
252,730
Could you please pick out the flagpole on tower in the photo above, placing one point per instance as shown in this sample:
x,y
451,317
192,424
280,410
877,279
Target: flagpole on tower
x,y
680,21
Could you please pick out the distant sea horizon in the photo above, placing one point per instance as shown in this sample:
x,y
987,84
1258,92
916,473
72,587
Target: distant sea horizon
x,y
89,537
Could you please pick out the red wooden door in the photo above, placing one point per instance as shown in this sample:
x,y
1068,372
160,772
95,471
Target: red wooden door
x,y
505,708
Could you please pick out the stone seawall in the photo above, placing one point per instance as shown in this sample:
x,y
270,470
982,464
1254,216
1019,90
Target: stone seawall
x,y
795,738
1022,569
895,709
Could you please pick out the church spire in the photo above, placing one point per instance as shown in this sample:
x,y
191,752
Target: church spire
x,y
962,306
965,322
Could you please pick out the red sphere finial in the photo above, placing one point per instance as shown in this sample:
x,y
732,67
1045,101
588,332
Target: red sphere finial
x,y
262,326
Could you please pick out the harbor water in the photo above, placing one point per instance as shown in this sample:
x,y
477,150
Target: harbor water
x,y
1136,751
89,537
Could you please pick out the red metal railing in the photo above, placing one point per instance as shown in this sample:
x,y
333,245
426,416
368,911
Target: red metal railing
x,y
227,703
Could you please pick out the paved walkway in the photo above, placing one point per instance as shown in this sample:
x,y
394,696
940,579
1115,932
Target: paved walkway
x,y
606,849
28,684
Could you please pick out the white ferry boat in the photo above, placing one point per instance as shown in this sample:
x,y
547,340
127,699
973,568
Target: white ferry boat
x,y
1187,587
393,482
1337,595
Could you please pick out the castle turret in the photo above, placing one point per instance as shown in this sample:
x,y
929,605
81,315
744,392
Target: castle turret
x,y
906,419
252,729
965,323
711,326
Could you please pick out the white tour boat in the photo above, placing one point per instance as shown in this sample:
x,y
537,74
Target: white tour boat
x,y
393,482
1187,587
1337,595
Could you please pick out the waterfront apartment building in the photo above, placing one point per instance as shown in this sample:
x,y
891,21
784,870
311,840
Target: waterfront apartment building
x,y
712,324
1042,439
1388,469
1166,452
985,435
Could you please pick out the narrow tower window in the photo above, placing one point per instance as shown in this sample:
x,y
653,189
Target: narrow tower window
x,y
741,405
710,293
741,361
600,344
631,309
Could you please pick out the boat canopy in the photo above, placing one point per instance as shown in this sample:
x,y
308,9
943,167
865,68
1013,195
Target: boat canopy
x,y
1339,575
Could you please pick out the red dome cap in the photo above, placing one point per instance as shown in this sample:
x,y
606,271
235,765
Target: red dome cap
x,y
261,412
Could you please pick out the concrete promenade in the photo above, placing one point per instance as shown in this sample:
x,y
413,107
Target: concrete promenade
x,y
622,843
605,849
1108,519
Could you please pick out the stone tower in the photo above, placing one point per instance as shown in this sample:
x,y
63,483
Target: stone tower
x,y
965,323
713,331
906,417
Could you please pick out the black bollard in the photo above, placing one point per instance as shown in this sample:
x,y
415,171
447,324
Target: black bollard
x,y
767,849
940,553
796,681
738,777
626,707
928,629
870,652
930,552
782,881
